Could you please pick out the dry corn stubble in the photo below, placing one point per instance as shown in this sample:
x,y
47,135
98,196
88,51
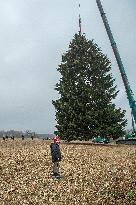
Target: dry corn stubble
x,y
94,175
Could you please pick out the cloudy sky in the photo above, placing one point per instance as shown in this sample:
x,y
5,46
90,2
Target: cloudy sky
x,y
33,36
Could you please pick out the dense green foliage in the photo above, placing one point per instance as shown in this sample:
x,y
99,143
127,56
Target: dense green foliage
x,y
86,89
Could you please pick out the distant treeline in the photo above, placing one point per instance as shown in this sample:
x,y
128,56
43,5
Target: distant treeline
x,y
45,136
20,134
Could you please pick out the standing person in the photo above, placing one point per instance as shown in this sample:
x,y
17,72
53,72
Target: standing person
x,y
23,137
3,137
6,136
56,155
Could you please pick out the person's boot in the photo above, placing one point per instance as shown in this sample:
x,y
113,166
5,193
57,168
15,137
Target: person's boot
x,y
58,176
54,174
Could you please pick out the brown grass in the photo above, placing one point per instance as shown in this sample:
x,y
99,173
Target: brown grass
x,y
95,175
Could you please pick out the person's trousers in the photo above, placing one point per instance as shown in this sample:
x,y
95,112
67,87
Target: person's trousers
x,y
56,167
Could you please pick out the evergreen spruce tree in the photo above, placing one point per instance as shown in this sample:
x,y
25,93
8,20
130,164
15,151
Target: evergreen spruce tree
x,y
86,89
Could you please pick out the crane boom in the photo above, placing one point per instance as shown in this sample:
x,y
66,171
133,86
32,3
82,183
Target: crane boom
x,y
129,92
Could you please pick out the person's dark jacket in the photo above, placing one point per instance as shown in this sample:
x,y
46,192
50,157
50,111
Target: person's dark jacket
x,y
55,152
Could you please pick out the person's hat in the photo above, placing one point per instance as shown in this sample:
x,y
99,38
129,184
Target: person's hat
x,y
55,139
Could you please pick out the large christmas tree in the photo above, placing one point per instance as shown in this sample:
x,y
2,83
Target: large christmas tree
x,y
85,109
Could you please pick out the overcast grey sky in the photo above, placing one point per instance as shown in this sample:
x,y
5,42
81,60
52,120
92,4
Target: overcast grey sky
x,y
33,36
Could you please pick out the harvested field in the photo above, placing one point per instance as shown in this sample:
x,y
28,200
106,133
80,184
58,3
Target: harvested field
x,y
94,175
